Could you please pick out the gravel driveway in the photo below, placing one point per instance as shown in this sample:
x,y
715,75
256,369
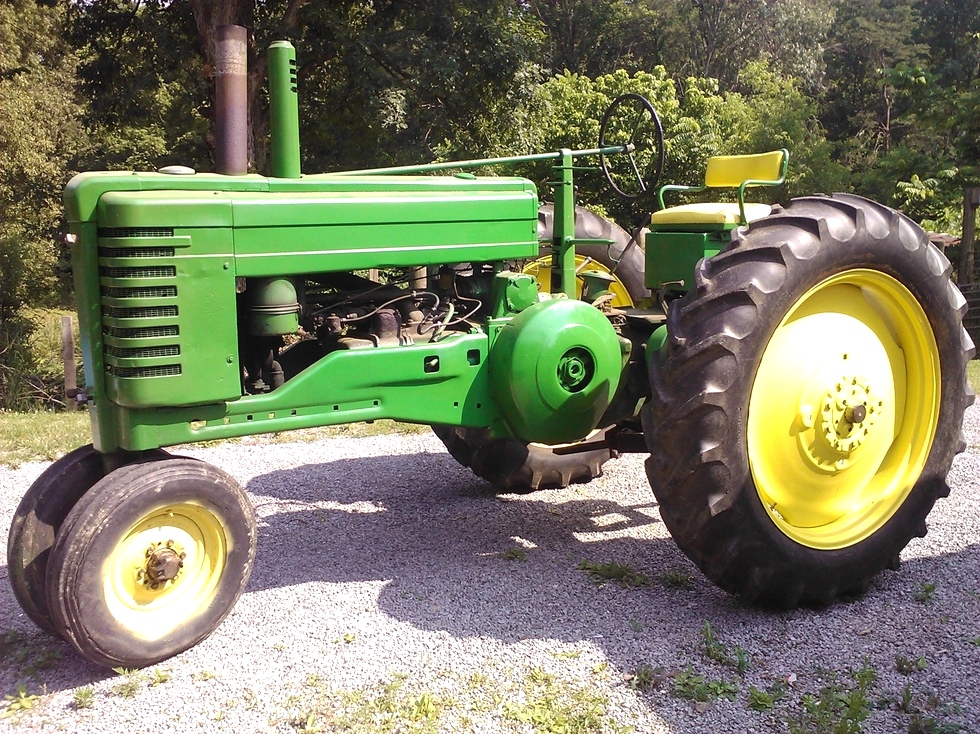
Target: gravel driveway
x,y
393,592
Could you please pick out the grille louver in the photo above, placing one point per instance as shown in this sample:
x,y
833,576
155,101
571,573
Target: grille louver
x,y
136,344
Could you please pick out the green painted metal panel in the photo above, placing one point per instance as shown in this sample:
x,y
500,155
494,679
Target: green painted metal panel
x,y
342,387
167,310
84,191
672,256
156,258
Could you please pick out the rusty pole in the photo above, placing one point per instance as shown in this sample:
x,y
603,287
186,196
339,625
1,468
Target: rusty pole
x,y
231,100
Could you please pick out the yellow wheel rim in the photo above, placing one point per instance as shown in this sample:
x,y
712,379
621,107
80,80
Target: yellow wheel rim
x,y
541,269
165,569
843,409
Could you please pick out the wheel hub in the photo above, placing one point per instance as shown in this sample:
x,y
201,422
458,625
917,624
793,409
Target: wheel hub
x,y
844,421
574,370
163,564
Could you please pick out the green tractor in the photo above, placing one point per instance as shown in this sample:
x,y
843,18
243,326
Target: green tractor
x,y
797,375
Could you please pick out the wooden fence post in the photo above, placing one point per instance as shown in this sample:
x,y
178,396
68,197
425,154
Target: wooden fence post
x,y
68,357
971,200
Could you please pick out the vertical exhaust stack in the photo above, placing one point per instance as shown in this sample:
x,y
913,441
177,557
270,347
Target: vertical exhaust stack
x,y
231,100
283,111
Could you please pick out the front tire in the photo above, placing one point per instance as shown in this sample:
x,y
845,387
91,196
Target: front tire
x,y
150,561
809,402
39,516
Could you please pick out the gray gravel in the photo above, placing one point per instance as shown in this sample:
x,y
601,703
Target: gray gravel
x,y
380,558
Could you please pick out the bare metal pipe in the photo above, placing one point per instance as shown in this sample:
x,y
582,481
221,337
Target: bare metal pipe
x,y
231,100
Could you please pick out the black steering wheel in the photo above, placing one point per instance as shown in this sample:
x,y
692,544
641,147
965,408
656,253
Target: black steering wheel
x,y
632,123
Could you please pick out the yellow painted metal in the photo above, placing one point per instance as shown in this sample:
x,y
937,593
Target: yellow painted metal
x,y
732,170
708,213
151,614
828,476
541,269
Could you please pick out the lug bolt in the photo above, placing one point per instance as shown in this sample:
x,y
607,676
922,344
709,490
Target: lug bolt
x,y
856,414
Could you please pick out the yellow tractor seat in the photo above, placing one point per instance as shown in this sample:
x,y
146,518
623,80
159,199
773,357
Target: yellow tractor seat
x,y
730,172
720,213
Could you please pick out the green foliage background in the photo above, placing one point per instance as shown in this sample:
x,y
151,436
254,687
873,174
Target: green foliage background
x,y
879,97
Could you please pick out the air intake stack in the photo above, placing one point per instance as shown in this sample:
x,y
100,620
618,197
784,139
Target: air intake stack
x,y
283,111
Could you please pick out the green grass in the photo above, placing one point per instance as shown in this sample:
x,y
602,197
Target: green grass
x,y
973,372
695,687
46,436
41,436
602,573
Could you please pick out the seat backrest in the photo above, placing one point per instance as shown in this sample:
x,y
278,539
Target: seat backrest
x,y
733,170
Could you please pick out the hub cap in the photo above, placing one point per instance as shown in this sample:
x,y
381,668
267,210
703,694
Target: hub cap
x,y
165,569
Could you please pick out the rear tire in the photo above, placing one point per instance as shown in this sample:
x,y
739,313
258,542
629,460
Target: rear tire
x,y
516,466
624,260
769,476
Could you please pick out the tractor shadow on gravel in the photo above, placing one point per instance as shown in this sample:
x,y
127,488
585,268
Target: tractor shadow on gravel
x,y
460,560
454,558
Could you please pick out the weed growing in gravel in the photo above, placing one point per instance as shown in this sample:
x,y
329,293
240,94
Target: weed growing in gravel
x,y
566,654
674,579
764,700
838,708
919,724
925,592
975,641
636,625
19,703
514,554
83,698
905,703
602,573
906,666
386,707
203,675
920,712
30,654
132,679
646,678
307,723
550,706
719,652
160,676
693,687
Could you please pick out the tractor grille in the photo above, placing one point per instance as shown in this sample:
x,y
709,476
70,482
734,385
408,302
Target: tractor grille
x,y
149,332
167,370
166,271
161,291
138,289
128,252
150,312
171,350
129,232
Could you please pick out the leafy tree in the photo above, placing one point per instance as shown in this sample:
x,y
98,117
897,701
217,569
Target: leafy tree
x,y
143,83
40,137
859,107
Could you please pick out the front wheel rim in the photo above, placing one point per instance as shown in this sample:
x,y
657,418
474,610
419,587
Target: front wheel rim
x,y
165,569
843,409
